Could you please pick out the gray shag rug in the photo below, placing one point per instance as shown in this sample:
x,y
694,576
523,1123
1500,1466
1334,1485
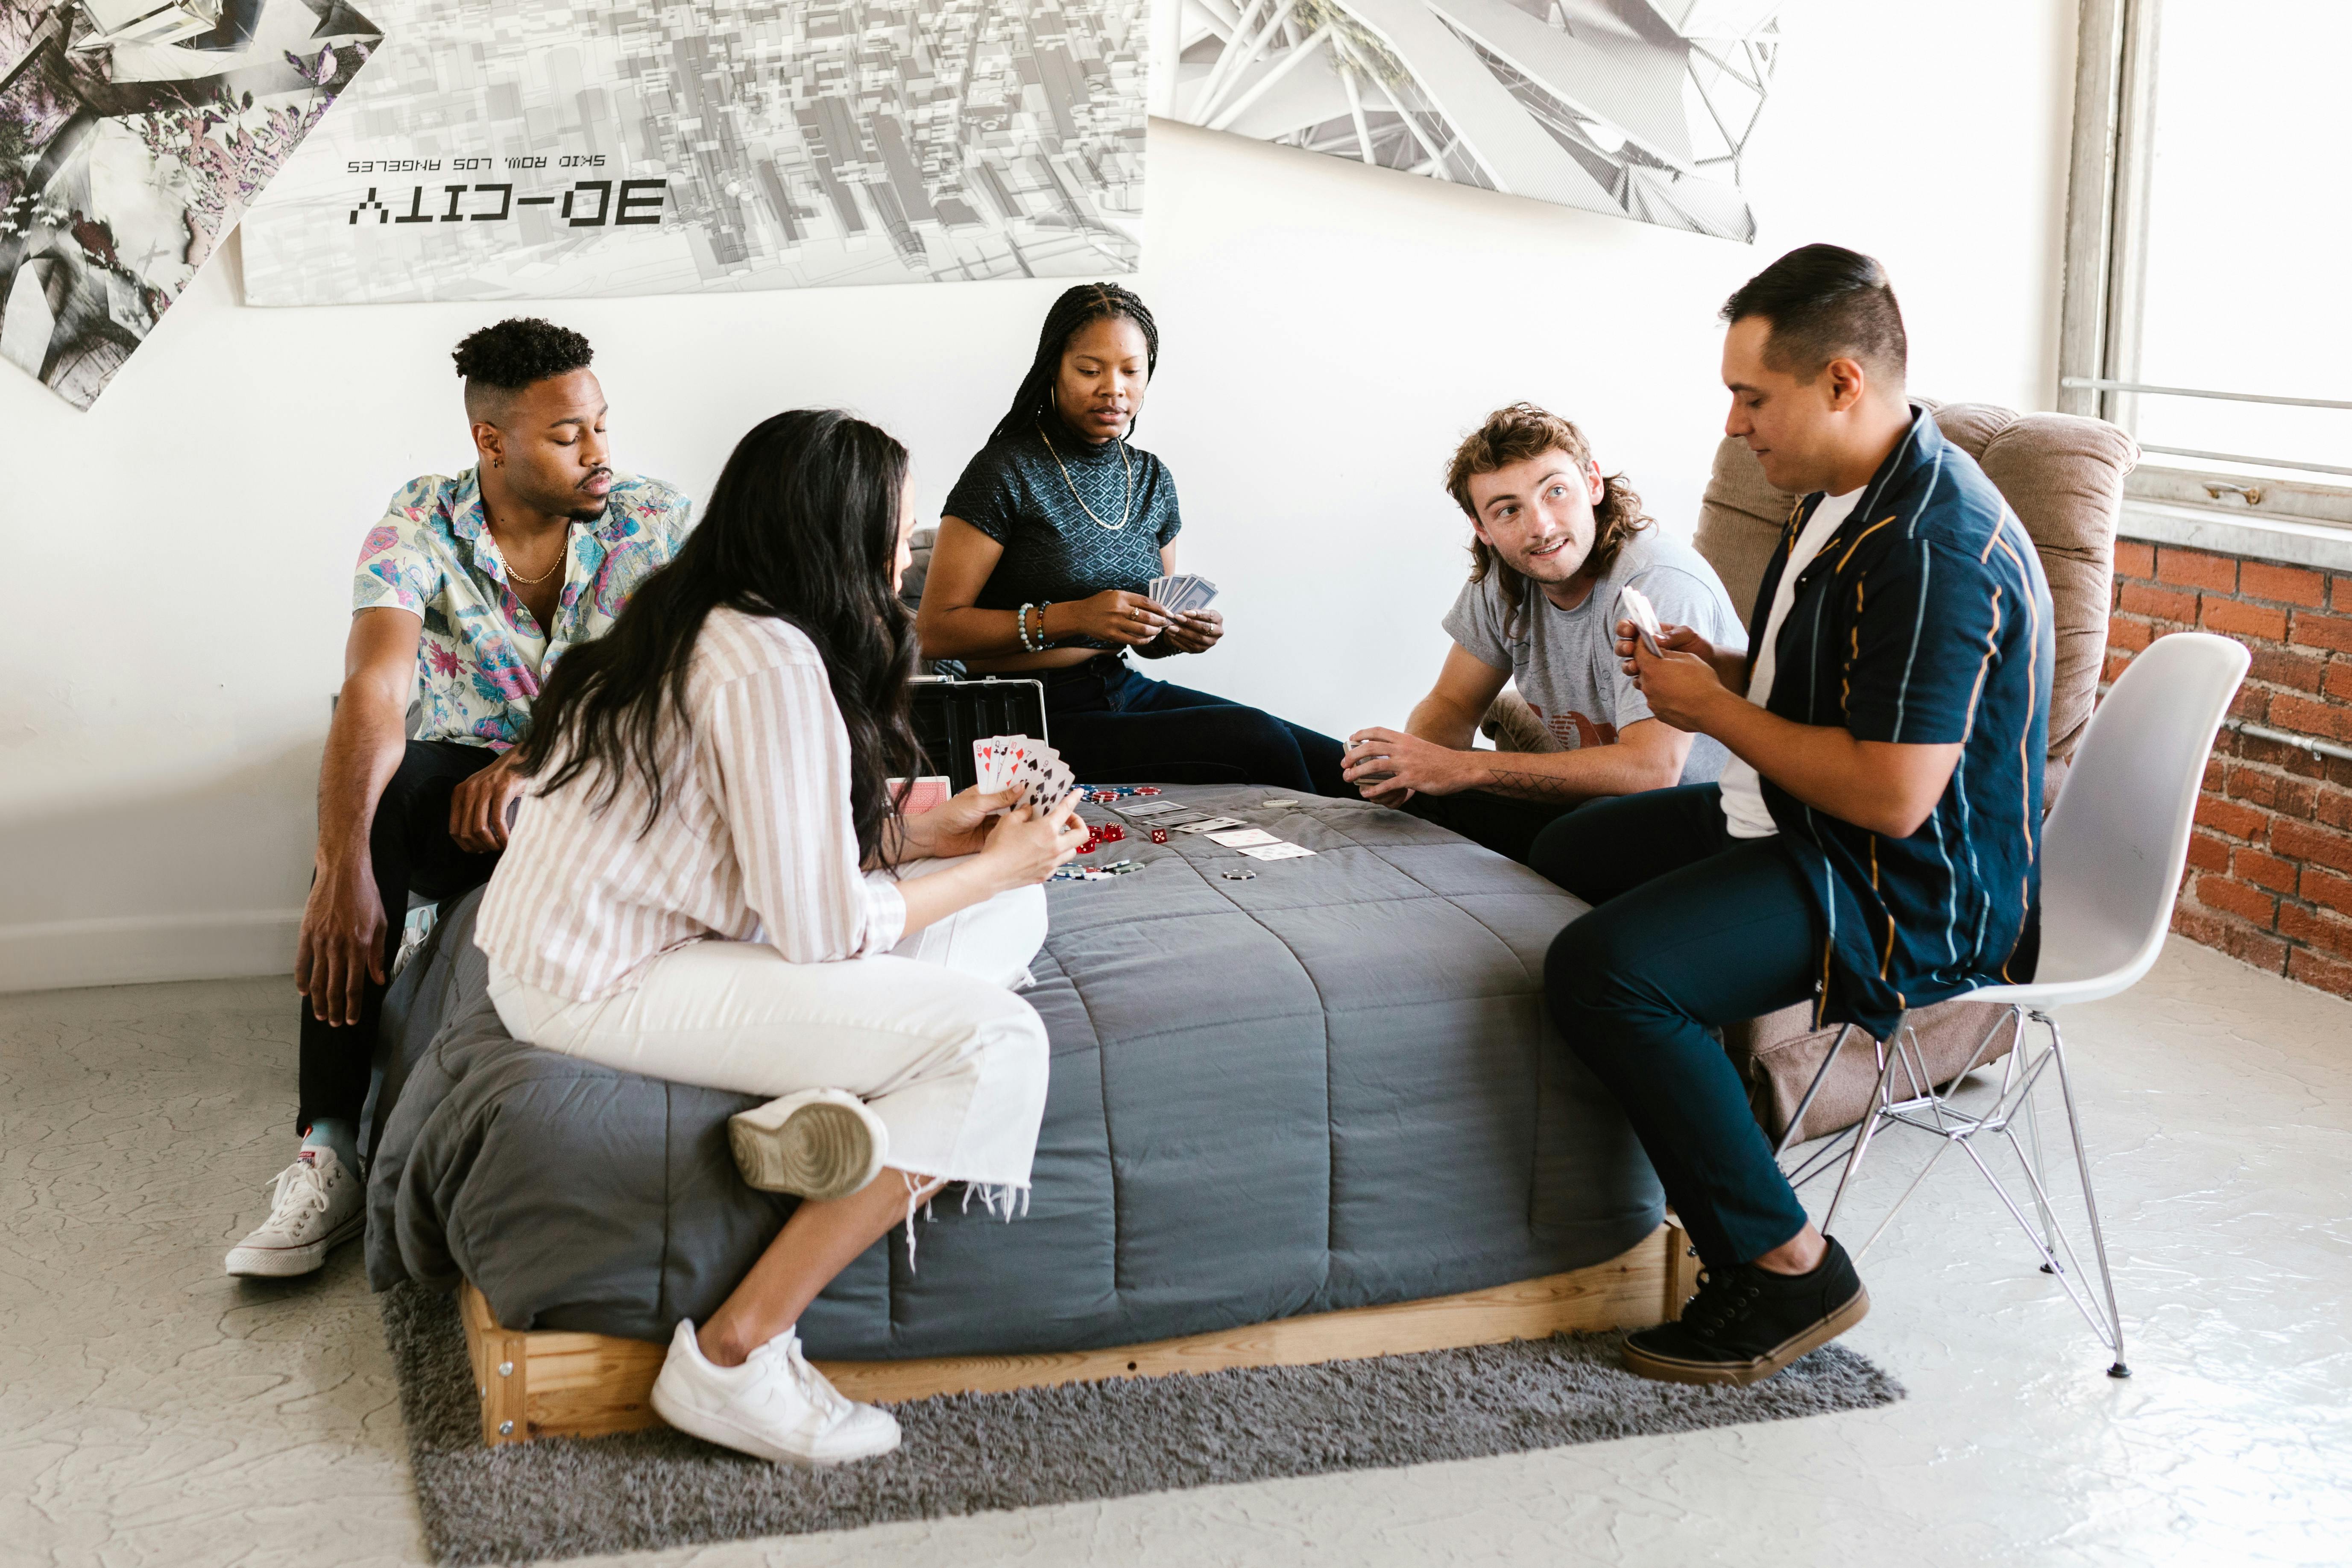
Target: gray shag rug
x,y
971,1453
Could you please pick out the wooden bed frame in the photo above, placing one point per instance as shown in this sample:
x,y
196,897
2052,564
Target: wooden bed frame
x,y
550,1383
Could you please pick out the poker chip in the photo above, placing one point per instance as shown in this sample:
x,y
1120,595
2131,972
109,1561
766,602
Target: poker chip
x,y
1238,876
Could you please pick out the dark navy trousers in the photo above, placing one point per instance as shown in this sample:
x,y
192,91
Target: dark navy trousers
x,y
1113,725
1690,928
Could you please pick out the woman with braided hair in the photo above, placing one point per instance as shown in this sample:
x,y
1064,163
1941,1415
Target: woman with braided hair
x,y
1049,542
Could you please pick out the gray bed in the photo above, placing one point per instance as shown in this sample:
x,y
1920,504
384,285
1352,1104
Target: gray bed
x,y
1330,1086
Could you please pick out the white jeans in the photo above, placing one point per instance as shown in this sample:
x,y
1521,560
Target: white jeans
x,y
929,1036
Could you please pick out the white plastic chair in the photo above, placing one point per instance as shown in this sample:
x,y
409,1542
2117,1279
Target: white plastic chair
x,y
2112,855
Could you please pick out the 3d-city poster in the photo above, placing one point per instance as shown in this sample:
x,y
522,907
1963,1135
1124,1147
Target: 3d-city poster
x,y
132,135
528,149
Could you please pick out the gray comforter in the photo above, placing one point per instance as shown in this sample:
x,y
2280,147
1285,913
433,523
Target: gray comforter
x,y
1330,1086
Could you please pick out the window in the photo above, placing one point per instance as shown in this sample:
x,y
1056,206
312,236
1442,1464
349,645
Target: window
x,y
2209,300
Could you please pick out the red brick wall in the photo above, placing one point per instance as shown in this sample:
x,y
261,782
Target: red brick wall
x,y
2270,864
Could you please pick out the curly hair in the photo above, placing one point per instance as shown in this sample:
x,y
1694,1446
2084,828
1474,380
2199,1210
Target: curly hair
x,y
1075,307
1513,434
515,352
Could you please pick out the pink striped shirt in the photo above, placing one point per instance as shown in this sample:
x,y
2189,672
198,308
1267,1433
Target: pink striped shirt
x,y
754,842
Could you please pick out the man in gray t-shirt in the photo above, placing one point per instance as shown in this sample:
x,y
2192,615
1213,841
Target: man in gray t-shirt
x,y
1555,543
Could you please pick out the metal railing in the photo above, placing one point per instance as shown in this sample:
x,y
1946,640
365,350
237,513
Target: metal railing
x,y
2100,383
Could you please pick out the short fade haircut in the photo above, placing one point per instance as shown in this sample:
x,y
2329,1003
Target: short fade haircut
x,y
1826,302
501,360
1513,434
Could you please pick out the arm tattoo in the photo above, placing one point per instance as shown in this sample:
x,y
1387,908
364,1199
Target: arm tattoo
x,y
1521,785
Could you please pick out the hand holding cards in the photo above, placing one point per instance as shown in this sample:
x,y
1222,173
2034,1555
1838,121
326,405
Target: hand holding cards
x,y
1632,605
1033,770
1182,593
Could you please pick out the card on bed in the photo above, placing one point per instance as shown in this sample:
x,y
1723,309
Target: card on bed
x,y
1210,825
1147,808
1234,837
1276,851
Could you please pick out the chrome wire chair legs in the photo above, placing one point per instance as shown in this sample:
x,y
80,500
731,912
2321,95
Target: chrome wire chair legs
x,y
1917,1103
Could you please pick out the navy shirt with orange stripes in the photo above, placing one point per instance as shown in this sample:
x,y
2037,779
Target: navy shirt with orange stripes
x,y
1924,619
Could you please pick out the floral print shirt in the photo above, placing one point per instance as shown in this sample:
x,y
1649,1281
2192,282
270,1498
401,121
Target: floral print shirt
x,y
483,655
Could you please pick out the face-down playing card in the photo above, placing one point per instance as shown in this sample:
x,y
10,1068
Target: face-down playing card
x,y
1634,606
1182,592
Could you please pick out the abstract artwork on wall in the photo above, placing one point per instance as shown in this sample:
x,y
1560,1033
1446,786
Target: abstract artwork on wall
x,y
533,149
132,135
1637,108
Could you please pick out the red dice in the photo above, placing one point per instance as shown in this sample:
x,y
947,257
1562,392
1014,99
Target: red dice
x,y
1110,833
1160,835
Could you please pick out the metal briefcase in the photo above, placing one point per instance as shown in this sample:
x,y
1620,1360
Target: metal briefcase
x,y
950,715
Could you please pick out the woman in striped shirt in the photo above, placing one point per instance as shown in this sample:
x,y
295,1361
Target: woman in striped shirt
x,y
711,883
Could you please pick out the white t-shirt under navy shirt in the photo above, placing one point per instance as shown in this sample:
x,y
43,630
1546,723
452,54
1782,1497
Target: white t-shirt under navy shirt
x,y
1565,663
1744,815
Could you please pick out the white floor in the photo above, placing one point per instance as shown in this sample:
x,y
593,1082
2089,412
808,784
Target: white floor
x,y
152,1411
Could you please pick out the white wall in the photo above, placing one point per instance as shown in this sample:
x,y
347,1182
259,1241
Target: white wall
x,y
173,601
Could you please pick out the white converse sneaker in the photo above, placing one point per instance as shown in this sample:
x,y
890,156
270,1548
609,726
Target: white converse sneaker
x,y
775,1405
819,1143
315,1204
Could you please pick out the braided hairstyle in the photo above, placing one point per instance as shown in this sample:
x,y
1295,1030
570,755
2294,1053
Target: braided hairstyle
x,y
1077,306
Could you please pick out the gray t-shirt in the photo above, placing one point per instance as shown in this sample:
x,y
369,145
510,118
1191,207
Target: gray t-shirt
x,y
1564,662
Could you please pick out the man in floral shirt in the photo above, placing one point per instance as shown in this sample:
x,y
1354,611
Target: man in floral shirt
x,y
467,593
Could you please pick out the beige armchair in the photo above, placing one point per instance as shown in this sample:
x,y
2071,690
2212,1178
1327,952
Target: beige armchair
x,y
2063,476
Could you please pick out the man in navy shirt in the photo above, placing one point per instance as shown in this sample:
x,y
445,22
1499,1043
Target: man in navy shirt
x,y
1874,846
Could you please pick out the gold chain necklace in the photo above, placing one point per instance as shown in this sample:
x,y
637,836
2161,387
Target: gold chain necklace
x,y
514,577
1126,513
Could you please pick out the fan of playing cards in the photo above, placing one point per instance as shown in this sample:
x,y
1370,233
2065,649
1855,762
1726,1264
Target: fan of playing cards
x,y
1033,770
1181,593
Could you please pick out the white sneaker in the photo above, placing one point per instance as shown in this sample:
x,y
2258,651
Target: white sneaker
x,y
314,1204
819,1143
775,1405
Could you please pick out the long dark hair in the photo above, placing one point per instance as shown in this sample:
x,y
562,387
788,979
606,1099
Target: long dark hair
x,y
803,526
1075,307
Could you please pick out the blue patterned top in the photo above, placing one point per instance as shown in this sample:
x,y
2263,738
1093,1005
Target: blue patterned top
x,y
483,656
1014,492
1924,619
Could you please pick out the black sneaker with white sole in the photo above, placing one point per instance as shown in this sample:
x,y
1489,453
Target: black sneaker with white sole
x,y
1747,1323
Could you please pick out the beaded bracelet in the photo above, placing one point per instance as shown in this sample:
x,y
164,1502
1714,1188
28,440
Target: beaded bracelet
x,y
1043,606
1020,626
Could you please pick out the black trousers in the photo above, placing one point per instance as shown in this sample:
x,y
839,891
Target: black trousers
x,y
1113,725
1690,928
410,849
1505,826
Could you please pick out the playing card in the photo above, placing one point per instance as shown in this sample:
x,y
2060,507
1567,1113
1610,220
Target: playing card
x,y
921,794
1182,816
1234,838
1276,851
1148,808
994,758
1041,781
1634,606
1209,825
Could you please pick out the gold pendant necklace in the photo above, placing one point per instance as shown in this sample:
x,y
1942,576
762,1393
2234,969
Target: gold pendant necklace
x,y
1126,513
